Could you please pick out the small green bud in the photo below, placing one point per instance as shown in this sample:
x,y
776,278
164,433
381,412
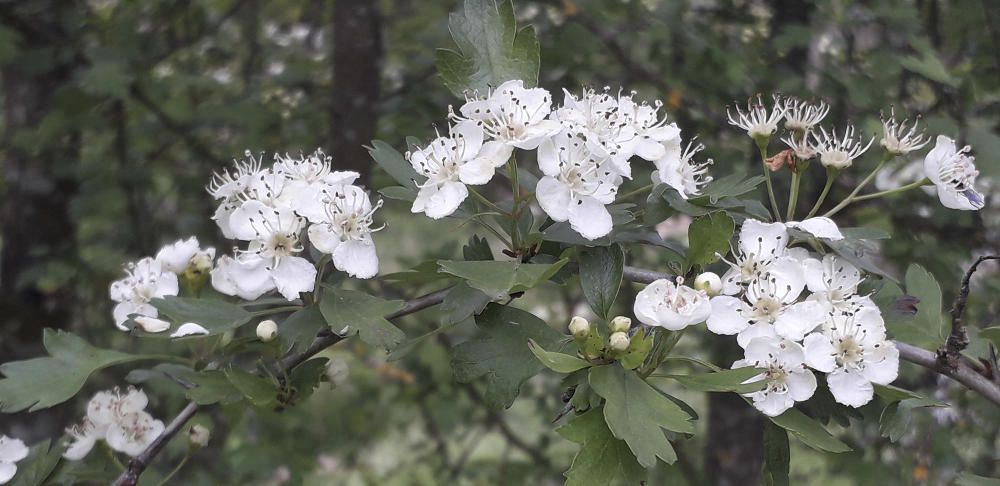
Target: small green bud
x,y
618,341
579,327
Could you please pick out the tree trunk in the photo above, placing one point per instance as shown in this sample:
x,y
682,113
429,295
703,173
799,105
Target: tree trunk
x,y
733,450
357,62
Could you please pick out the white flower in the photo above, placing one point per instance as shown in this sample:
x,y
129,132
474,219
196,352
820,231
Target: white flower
x,y
11,451
513,115
132,433
82,439
839,153
783,365
802,116
954,173
834,283
758,121
900,138
269,260
577,185
677,170
769,308
145,280
309,180
188,329
346,232
117,418
802,146
819,227
854,352
248,183
451,162
670,306
760,245
177,256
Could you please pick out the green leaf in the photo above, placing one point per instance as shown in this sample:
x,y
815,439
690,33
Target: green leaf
x,y
638,349
37,468
809,431
970,479
601,270
107,78
211,386
463,302
365,314
859,252
731,185
921,284
499,279
636,412
217,316
776,455
390,160
991,334
300,328
897,416
708,235
399,193
930,67
499,352
305,378
602,460
723,381
558,362
897,311
259,391
39,383
491,50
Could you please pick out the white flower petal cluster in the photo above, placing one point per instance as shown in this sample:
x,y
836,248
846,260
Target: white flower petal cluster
x,y
674,307
119,419
839,152
758,121
272,208
585,148
900,137
791,312
11,451
185,254
954,174
145,280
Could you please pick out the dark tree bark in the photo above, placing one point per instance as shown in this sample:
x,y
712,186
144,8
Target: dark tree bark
x,y
733,450
357,63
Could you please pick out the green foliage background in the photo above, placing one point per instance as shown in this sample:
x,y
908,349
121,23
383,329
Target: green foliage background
x,y
116,113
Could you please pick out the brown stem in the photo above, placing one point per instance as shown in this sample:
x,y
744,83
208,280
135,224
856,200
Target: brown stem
x,y
950,354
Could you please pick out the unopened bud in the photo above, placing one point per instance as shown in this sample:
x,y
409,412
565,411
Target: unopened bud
x,y
579,327
151,324
199,435
267,330
620,324
618,341
709,282
337,371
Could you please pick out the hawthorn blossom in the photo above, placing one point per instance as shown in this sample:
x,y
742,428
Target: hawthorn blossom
x,y
784,371
577,185
308,180
145,280
839,153
758,121
450,163
270,259
901,138
834,282
802,116
954,174
117,418
249,182
769,307
677,170
760,245
600,117
802,147
674,307
11,451
346,232
853,351
513,115
178,256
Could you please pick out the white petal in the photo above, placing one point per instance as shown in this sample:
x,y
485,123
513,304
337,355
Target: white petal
x,y
820,352
589,217
772,404
134,400
324,237
650,149
250,276
761,351
248,220
943,150
647,300
468,136
797,320
357,257
850,388
554,198
786,279
765,240
7,471
477,171
189,329
81,445
882,366
754,331
445,199
121,434
820,227
151,324
175,257
727,315
548,155
971,200
11,449
293,275
100,409
801,384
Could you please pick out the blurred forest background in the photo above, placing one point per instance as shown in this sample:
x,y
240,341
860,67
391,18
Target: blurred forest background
x,y
115,113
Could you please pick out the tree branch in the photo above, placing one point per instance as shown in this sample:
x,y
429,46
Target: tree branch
x,y
950,354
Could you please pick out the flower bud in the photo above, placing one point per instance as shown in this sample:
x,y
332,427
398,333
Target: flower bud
x,y
267,330
620,324
579,327
709,282
337,371
198,435
618,341
151,324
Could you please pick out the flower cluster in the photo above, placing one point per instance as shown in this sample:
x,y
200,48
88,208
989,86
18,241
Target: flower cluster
x,y
584,151
791,311
11,451
117,418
